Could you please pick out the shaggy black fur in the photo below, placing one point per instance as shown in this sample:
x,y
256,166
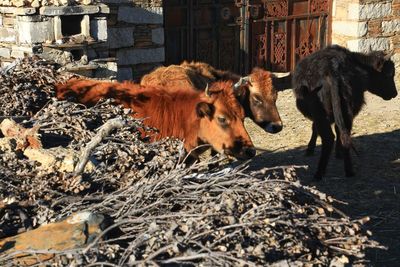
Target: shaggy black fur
x,y
329,86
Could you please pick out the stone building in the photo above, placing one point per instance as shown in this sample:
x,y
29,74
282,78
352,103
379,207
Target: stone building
x,y
111,38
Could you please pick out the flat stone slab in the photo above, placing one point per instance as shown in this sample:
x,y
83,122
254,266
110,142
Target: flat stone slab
x,y
74,232
68,10
17,10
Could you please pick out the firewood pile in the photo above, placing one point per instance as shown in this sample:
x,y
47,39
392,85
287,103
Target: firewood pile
x,y
161,211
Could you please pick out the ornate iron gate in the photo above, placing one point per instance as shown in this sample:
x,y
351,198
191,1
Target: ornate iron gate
x,y
284,31
240,34
203,30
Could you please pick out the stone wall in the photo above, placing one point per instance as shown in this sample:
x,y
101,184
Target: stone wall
x,y
108,39
136,36
365,25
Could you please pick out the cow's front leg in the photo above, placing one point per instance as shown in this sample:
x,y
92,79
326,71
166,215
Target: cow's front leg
x,y
313,141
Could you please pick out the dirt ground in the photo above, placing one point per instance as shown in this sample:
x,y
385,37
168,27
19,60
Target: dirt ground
x,y
373,192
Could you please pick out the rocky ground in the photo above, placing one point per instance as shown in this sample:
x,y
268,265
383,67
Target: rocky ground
x,y
374,191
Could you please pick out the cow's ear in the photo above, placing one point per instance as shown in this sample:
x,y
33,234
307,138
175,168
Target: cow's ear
x,y
204,109
378,64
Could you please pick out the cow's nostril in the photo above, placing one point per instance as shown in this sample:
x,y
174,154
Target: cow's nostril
x,y
276,128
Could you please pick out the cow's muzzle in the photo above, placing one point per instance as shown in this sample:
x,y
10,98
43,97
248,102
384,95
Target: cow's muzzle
x,y
240,151
272,127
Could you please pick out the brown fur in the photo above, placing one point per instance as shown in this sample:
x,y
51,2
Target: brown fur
x,y
257,98
185,114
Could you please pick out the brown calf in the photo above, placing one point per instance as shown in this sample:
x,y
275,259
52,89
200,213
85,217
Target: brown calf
x,y
256,92
212,117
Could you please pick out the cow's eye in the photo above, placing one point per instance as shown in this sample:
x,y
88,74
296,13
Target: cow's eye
x,y
257,101
222,120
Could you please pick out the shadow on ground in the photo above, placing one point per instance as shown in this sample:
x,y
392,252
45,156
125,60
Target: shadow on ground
x,y
373,192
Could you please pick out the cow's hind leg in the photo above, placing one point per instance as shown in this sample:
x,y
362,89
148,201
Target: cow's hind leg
x,y
313,141
338,147
327,139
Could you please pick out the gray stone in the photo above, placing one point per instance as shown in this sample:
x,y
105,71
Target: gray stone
x,y
369,44
391,26
369,11
57,28
124,74
34,18
104,9
85,26
68,10
120,37
7,35
35,32
134,56
107,70
138,15
5,52
157,36
98,29
350,28
18,10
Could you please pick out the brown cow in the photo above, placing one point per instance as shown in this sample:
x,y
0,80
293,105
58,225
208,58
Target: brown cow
x,y
212,117
256,92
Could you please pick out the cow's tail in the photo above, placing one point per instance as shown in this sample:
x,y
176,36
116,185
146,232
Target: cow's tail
x,y
338,112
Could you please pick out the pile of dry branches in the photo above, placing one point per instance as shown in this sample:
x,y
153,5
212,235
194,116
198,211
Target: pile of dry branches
x,y
166,213
26,85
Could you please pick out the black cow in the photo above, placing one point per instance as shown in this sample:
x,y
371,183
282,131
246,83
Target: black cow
x,y
329,86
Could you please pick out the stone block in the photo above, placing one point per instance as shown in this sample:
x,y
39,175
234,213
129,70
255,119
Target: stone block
x,y
58,158
35,32
124,74
120,37
138,15
68,10
74,232
57,28
5,52
134,56
369,11
157,36
18,10
1,20
369,44
350,28
374,28
8,35
391,26
85,26
98,29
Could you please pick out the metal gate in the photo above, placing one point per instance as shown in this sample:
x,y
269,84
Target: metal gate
x,y
240,34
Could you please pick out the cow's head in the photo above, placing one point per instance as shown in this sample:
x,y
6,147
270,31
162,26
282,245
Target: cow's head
x,y
221,122
382,79
258,96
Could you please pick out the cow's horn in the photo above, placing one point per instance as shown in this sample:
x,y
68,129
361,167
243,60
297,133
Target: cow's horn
x,y
207,91
242,81
280,75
